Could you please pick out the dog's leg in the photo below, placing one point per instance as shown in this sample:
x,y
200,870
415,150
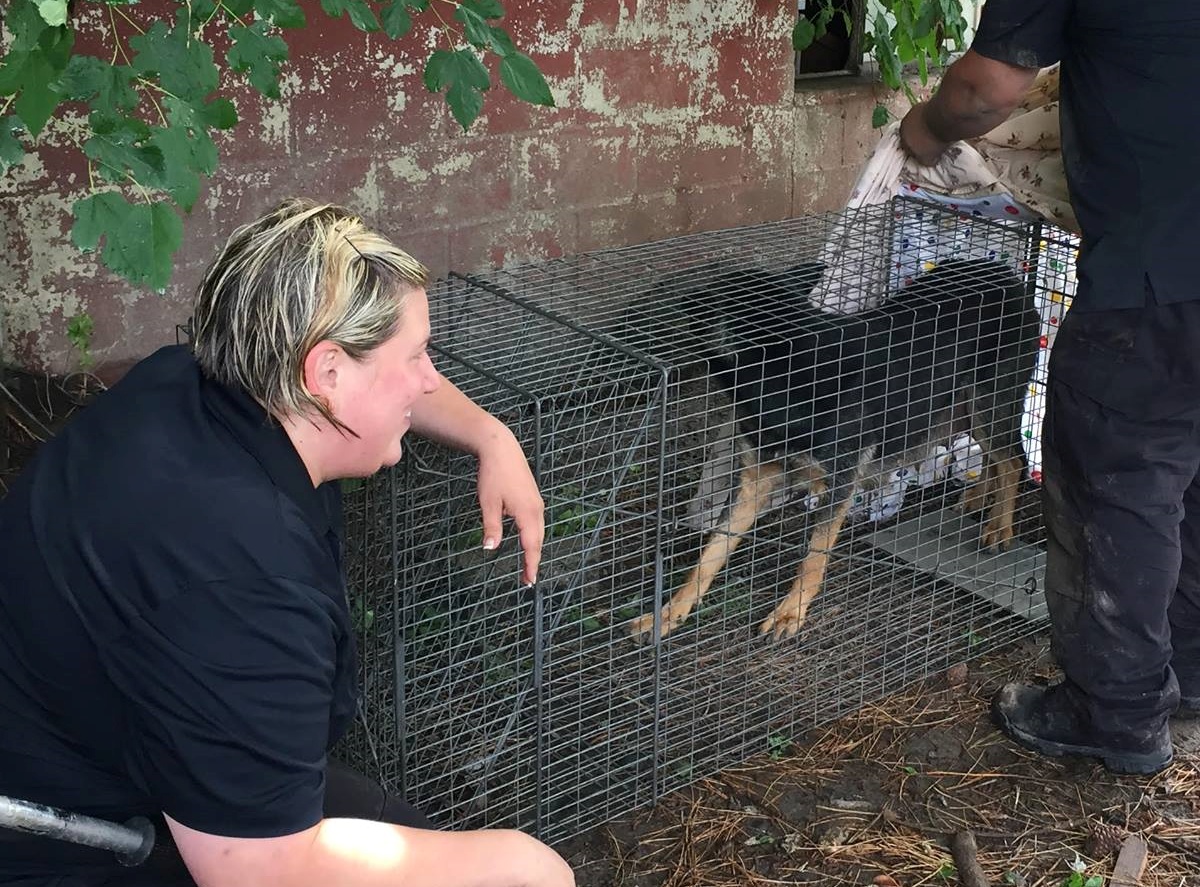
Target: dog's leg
x,y
975,495
789,615
757,483
998,531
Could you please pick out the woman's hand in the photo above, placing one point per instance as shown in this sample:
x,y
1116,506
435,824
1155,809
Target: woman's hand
x,y
507,487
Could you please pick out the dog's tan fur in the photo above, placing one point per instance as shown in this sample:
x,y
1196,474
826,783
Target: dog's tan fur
x,y
757,482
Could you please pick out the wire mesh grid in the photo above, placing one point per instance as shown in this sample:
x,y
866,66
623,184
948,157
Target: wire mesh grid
x,y
648,384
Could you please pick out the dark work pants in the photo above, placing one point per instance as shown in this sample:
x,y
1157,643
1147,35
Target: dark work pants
x,y
1121,497
348,794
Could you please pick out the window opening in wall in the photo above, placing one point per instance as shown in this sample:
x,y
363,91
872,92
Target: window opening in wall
x,y
836,37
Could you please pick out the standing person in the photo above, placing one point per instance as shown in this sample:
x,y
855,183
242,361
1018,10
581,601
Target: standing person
x,y
174,635
1121,439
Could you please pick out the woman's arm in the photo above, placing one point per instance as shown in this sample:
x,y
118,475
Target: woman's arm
x,y
506,485
361,853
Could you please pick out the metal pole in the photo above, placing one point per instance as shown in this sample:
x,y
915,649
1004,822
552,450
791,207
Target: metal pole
x,y
131,842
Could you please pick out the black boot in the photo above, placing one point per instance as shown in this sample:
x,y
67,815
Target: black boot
x,y
1045,720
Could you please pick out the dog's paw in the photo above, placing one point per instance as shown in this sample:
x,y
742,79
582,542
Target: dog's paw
x,y
785,621
641,629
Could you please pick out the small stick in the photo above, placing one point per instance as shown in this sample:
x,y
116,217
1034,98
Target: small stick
x,y
966,859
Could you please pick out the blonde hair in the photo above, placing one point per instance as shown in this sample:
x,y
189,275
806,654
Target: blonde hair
x,y
302,274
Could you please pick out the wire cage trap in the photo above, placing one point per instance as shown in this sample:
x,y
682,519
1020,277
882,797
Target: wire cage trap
x,y
491,704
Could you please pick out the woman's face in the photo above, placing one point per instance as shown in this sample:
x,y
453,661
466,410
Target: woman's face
x,y
375,397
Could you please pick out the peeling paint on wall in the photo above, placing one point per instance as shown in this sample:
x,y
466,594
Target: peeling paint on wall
x,y
673,115
274,123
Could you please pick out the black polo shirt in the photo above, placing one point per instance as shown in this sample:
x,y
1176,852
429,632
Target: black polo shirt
x,y
1129,134
174,633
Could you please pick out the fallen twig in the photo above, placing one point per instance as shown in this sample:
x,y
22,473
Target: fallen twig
x,y
42,429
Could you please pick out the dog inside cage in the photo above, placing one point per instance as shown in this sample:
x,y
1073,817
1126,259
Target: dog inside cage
x,y
722,423
844,399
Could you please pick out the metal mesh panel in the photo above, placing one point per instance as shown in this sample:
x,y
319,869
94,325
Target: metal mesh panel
x,y
489,704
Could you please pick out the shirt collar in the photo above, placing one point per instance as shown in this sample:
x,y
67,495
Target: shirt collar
x,y
265,440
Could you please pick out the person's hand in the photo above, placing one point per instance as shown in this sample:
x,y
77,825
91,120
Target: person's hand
x,y
507,487
921,144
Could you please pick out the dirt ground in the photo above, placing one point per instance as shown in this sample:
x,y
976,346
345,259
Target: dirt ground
x,y
873,799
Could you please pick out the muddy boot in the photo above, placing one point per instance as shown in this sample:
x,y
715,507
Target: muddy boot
x,y
1044,720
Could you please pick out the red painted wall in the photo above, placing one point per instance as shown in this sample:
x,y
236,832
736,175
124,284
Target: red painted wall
x,y
672,116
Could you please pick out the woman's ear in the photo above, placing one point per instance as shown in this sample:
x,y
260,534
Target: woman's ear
x,y
321,368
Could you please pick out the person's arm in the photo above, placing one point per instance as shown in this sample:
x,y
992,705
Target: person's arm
x,y
230,687
449,417
506,485
976,95
359,853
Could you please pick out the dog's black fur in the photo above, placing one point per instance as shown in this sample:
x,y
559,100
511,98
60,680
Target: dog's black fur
x,y
852,397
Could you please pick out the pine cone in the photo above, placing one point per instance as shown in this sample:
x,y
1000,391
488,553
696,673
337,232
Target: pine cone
x,y
1103,840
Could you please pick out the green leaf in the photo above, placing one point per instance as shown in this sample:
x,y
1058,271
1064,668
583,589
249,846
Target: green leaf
x,y
885,53
53,12
360,13
25,24
395,19
237,9
484,8
1094,881
31,80
926,21
139,240
282,13
218,114
824,17
187,152
87,76
36,58
149,239
502,44
465,103
524,80
118,150
32,74
12,151
103,122
476,29
258,55
95,216
880,116
203,10
79,334
184,66
803,34
446,67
